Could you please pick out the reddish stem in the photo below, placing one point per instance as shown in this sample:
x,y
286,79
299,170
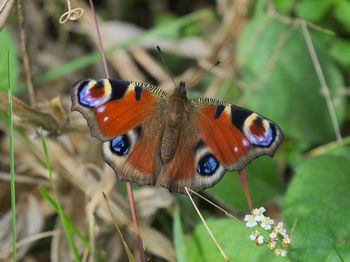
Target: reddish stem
x,y
100,42
244,183
128,185
135,221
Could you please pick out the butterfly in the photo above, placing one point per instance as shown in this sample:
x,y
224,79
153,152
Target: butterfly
x,y
151,137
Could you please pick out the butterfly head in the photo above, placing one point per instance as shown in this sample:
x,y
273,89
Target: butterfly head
x,y
180,90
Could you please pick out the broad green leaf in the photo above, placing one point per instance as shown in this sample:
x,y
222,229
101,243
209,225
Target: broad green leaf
x,y
281,82
233,237
8,46
313,10
342,13
318,200
264,185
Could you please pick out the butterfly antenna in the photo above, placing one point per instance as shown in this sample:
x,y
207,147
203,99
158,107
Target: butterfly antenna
x,y
202,74
166,66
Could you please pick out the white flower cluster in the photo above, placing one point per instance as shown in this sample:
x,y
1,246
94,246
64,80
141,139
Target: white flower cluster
x,y
275,236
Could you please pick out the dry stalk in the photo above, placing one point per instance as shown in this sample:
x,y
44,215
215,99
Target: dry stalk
x,y
24,51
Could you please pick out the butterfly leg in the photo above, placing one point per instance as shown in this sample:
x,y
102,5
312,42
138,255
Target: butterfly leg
x,y
244,183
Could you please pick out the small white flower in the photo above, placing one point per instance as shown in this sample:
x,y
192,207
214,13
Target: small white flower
x,y
258,213
273,235
266,223
250,219
280,230
254,235
260,240
257,237
272,244
280,252
286,241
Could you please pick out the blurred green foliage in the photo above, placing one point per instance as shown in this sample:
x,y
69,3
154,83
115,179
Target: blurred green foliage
x,y
279,81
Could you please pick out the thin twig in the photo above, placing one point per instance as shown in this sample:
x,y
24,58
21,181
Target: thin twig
x,y
26,60
128,185
212,203
289,20
206,226
320,75
100,42
12,164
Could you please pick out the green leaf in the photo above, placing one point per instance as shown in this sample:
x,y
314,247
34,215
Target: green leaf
x,y
340,51
283,6
7,44
233,238
313,10
179,243
318,199
264,185
342,13
282,83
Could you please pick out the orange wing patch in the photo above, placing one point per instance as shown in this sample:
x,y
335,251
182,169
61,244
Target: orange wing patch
x,y
143,156
182,166
226,141
118,116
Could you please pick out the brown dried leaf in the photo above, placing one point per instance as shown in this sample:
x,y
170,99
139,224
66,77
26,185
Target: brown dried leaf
x,y
29,115
29,222
150,199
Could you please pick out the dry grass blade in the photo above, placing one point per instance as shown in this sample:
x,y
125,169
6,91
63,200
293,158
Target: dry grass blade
x,y
6,7
206,226
213,204
126,247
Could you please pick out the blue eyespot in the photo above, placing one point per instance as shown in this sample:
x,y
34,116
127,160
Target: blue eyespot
x,y
120,145
207,165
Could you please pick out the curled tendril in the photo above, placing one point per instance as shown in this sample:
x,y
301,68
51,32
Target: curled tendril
x,y
71,14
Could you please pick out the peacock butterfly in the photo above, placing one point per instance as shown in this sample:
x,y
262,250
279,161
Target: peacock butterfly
x,y
152,137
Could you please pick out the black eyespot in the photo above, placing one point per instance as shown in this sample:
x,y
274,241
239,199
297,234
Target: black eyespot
x,y
120,145
207,165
